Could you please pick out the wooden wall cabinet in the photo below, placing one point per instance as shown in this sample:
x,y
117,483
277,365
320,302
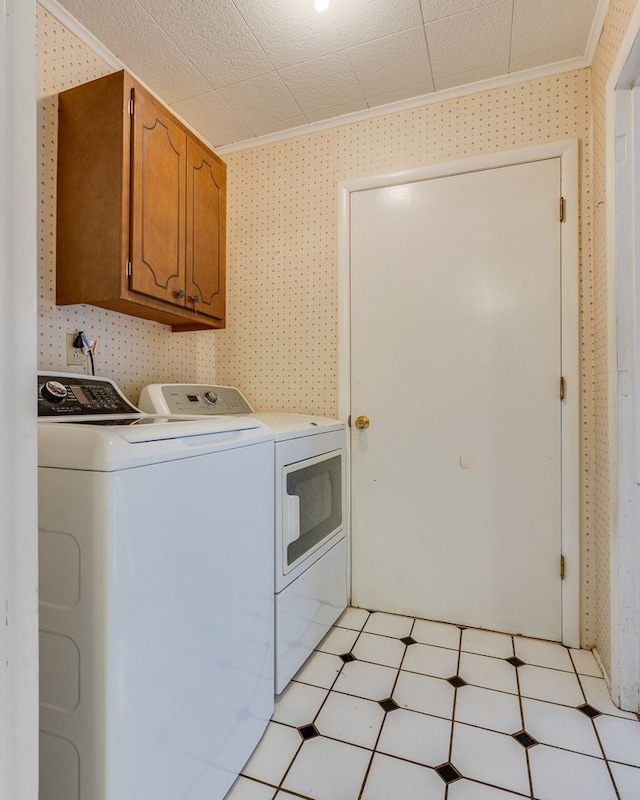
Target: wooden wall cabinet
x,y
141,213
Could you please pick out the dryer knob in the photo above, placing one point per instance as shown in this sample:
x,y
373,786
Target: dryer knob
x,y
54,391
210,397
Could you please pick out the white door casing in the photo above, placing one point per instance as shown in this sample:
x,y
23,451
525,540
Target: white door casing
x,y
375,564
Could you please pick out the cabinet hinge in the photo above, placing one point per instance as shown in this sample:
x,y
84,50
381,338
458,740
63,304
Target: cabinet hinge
x,y
131,106
562,568
128,269
562,209
563,388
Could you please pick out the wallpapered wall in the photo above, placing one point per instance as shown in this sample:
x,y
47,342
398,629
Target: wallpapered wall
x,y
282,343
132,351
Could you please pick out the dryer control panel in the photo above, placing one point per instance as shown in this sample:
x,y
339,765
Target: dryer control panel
x,y
196,398
61,395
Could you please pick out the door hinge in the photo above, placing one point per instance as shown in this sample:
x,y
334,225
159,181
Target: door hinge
x,y
128,269
562,568
349,421
563,388
562,209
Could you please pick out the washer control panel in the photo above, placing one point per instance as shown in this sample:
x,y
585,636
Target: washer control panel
x,y
73,395
184,398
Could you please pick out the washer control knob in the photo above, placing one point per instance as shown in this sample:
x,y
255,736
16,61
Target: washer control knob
x,y
54,391
210,397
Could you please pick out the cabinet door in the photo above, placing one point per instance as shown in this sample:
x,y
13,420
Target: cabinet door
x,y
206,222
158,172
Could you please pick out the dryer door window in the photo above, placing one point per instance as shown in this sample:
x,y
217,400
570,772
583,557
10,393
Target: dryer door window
x,y
313,509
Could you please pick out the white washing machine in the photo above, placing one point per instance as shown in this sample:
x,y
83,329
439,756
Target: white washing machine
x,y
156,596
310,518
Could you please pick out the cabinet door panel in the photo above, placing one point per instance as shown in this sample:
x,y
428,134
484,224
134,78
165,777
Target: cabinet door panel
x,y
206,217
157,203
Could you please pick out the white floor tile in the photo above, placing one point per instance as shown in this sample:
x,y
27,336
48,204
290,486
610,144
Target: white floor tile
x,y
440,634
469,790
561,775
328,770
552,685
321,669
627,780
379,649
389,624
620,739
338,641
487,643
490,758
273,754
486,708
491,673
391,778
543,654
598,696
371,681
429,660
298,704
246,789
351,719
560,726
585,663
354,618
416,737
422,693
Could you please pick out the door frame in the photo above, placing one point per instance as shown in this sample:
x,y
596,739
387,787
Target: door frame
x,y
623,298
567,151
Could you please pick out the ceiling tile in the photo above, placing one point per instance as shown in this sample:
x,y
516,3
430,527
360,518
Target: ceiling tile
x,y
359,21
212,118
282,125
553,56
550,25
437,9
261,100
215,37
323,82
391,63
400,94
291,31
337,111
470,40
471,76
130,33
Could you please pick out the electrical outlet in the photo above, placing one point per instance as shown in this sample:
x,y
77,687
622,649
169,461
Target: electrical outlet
x,y
75,356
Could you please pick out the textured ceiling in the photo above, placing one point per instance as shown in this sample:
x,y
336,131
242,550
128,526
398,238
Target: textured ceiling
x,y
237,69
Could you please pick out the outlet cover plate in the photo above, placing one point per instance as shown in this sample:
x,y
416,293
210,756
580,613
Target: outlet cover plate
x,y
75,356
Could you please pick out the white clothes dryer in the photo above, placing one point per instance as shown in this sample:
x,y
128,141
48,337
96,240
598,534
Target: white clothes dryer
x,y
310,516
156,596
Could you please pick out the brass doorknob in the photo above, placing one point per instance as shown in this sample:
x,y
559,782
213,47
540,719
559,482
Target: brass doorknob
x,y
362,422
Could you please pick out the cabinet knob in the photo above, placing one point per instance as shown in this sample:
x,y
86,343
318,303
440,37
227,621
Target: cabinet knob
x,y
195,298
180,293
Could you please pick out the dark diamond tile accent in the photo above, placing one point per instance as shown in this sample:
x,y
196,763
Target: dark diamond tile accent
x,y
463,627
347,657
448,773
525,739
389,704
589,711
515,661
457,681
408,640
308,731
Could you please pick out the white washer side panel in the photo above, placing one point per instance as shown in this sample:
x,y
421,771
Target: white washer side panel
x,y
180,558
306,610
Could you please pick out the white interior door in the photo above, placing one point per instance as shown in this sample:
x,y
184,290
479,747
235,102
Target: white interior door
x,y
456,359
